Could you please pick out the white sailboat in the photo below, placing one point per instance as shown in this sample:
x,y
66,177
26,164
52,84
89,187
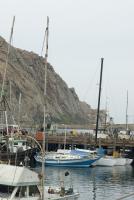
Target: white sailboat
x,y
121,161
105,160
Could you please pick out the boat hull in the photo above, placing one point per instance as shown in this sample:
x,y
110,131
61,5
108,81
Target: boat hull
x,y
67,163
120,161
129,161
108,162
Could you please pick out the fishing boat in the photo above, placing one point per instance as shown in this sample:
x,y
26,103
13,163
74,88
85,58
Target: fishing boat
x,y
16,151
13,148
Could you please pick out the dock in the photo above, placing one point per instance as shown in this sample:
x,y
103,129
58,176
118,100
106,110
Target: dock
x,y
84,140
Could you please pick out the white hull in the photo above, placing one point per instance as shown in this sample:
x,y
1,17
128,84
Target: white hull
x,y
129,161
120,161
110,161
106,161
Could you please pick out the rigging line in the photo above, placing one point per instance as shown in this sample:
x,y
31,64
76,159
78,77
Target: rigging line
x,y
7,56
90,83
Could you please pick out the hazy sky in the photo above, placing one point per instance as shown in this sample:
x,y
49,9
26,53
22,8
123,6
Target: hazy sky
x,y
81,32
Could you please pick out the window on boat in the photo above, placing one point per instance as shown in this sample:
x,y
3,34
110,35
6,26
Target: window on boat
x,y
6,189
23,192
33,190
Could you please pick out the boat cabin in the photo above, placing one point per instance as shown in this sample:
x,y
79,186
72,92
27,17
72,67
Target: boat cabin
x,y
18,183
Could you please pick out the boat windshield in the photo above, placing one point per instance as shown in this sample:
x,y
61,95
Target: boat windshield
x,y
6,191
23,191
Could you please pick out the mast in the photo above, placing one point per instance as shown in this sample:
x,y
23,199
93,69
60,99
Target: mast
x,y
7,56
106,115
65,129
5,72
44,122
98,109
19,110
127,113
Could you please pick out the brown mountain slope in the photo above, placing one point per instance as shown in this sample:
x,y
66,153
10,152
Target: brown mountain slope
x,y
25,73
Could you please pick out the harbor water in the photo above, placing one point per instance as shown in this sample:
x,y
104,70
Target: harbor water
x,y
98,183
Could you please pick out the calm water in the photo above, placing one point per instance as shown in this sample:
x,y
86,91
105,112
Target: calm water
x,y
96,183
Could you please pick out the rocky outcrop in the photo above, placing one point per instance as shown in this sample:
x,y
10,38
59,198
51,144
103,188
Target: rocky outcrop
x,y
25,75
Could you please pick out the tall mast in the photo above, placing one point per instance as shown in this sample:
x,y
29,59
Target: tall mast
x,y
44,123
19,111
7,56
5,71
98,109
127,113
65,129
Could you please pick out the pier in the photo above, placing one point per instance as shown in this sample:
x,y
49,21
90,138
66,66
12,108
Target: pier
x,y
84,141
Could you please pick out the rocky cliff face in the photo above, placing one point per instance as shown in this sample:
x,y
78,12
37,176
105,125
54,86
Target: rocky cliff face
x,y
25,75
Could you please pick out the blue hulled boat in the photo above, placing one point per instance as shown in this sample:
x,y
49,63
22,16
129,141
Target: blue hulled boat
x,y
67,159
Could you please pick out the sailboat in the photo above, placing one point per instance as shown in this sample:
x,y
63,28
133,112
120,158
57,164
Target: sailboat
x,y
128,160
114,160
56,159
104,160
67,158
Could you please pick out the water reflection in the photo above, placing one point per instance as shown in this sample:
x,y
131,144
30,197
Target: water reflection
x,y
96,183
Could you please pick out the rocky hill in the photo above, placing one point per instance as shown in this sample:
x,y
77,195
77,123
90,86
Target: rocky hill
x,y
25,75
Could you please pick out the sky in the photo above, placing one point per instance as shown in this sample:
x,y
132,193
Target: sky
x,y
81,33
